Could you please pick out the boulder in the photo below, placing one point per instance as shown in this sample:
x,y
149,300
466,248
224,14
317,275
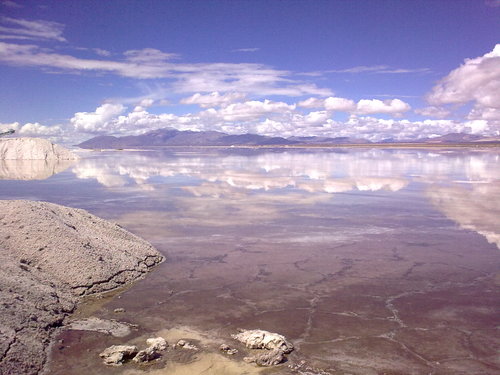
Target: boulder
x,y
146,355
158,343
260,339
117,354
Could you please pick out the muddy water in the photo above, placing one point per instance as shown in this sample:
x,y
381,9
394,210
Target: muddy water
x,y
369,261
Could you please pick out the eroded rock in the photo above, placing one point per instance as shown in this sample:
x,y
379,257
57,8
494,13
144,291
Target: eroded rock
x,y
158,343
260,339
116,355
146,355
268,358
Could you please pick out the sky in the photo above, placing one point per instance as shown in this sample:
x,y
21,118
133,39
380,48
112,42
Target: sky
x,y
401,69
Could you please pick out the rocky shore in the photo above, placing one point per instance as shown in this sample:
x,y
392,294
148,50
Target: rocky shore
x,y
50,257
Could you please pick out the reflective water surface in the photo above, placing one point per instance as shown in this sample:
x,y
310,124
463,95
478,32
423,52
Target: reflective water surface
x,y
369,261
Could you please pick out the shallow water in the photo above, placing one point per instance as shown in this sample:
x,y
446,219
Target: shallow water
x,y
369,261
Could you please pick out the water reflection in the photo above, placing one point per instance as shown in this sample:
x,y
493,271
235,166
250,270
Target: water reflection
x,y
370,261
475,207
245,187
321,171
32,169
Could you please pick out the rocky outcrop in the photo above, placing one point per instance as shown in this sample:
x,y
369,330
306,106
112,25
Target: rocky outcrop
x,y
116,355
274,344
33,149
156,345
50,256
260,339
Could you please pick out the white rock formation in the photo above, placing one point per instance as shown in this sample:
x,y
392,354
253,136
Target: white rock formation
x,y
117,354
33,149
260,339
156,345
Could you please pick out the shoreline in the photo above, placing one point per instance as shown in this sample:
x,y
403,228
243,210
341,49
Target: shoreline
x,y
52,257
485,145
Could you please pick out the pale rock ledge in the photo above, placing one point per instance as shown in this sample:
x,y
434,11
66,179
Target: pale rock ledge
x,y
33,149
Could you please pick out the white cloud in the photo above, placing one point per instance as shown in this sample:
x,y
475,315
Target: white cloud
x,y
339,104
267,118
246,50
55,132
98,120
436,112
256,79
147,102
373,69
250,110
330,104
148,56
390,106
213,99
24,29
364,106
101,52
476,81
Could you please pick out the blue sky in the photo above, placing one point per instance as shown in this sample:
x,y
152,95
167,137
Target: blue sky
x,y
70,70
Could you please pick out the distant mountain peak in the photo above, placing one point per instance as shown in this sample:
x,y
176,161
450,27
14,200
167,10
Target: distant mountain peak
x,y
173,137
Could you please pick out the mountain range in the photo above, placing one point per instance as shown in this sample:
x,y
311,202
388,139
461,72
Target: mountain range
x,y
173,137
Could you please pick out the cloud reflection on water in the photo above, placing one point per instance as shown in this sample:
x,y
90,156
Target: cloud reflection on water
x,y
257,184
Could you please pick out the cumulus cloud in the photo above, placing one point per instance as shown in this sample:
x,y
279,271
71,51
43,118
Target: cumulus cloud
x,y
214,99
17,28
269,118
35,129
364,106
390,106
476,81
97,121
330,104
249,110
